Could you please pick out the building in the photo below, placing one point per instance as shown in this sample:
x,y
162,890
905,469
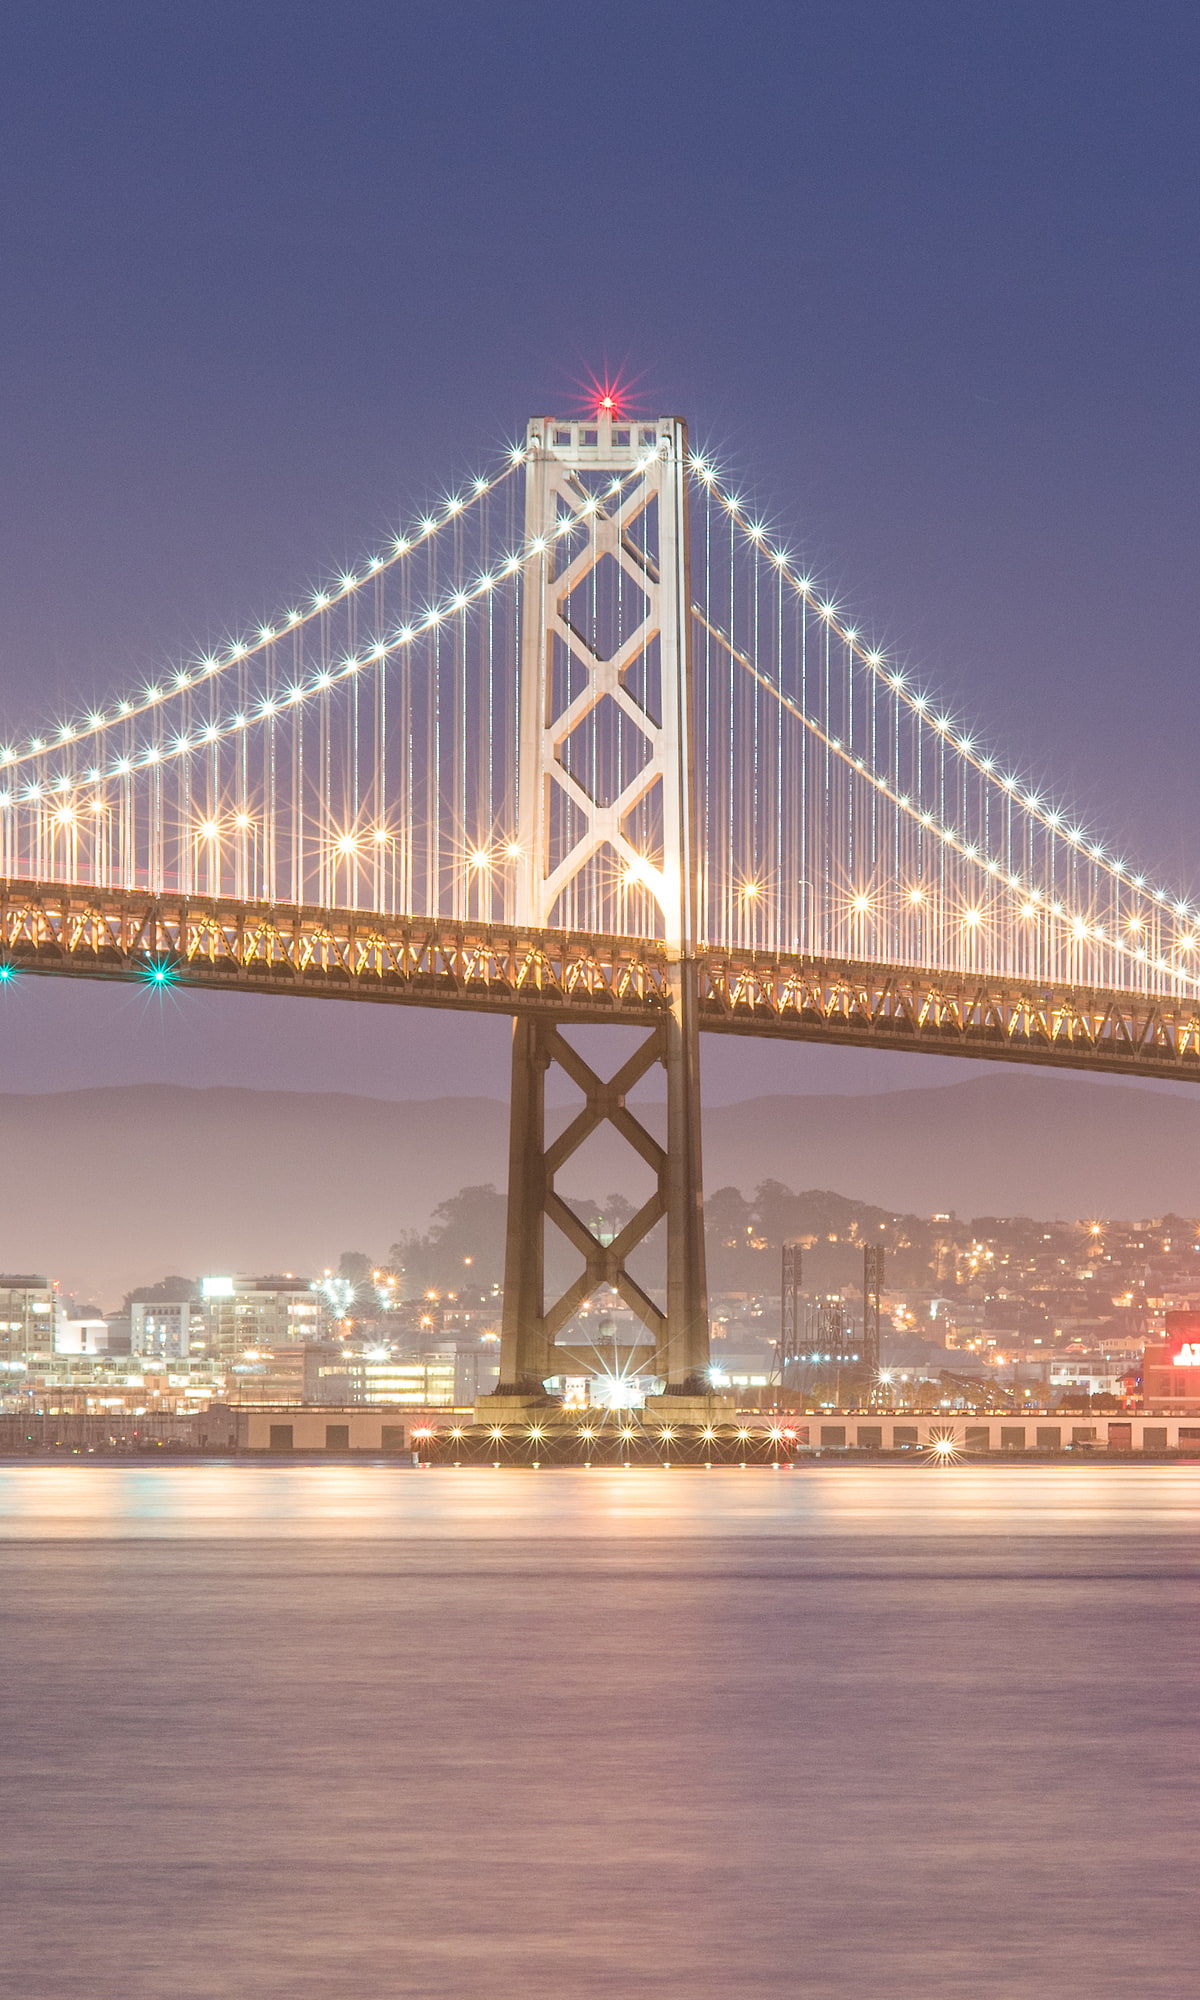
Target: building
x,y
166,1327
27,1315
421,1381
257,1314
1085,1375
87,1334
1171,1371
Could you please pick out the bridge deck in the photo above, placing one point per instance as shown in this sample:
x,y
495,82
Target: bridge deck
x,y
418,961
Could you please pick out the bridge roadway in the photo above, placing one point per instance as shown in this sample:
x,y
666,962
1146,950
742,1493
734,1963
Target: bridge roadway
x,y
234,946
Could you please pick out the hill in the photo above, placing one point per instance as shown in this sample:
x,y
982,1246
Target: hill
x,y
110,1188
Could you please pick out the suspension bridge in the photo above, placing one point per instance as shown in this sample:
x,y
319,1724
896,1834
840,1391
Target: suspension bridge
x,y
584,744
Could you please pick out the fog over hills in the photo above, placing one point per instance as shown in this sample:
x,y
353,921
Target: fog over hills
x,y
109,1188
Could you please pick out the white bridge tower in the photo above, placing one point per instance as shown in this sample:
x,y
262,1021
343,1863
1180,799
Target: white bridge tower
x,y
607,836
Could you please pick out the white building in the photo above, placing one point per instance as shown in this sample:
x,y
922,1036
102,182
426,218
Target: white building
x,y
27,1315
164,1328
251,1314
81,1336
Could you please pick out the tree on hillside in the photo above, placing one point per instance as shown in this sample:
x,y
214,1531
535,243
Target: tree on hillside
x,y
462,1248
355,1267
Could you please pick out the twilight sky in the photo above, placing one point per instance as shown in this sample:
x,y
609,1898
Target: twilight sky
x,y
923,276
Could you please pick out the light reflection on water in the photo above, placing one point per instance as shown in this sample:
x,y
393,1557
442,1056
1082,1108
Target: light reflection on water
x,y
362,1733
220,1499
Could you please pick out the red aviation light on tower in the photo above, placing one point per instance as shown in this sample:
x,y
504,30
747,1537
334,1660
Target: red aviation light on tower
x,y
606,396
608,400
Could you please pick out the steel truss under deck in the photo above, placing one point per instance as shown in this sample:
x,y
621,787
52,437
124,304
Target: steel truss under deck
x,y
231,945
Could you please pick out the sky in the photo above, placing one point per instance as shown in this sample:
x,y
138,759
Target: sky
x,y
922,276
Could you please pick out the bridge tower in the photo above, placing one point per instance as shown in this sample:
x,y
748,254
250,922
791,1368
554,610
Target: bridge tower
x,y
606,801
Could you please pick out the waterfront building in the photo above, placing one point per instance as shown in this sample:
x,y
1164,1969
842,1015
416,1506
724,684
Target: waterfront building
x,y
85,1334
167,1327
27,1313
420,1381
1171,1370
1085,1374
259,1313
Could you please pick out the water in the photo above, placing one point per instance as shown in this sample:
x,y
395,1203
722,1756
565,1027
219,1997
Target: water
x,y
361,1732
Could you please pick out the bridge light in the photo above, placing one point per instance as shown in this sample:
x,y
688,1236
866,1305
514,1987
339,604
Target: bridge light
x,y
159,972
7,974
266,632
479,858
972,918
862,904
916,895
242,820
514,850
209,829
